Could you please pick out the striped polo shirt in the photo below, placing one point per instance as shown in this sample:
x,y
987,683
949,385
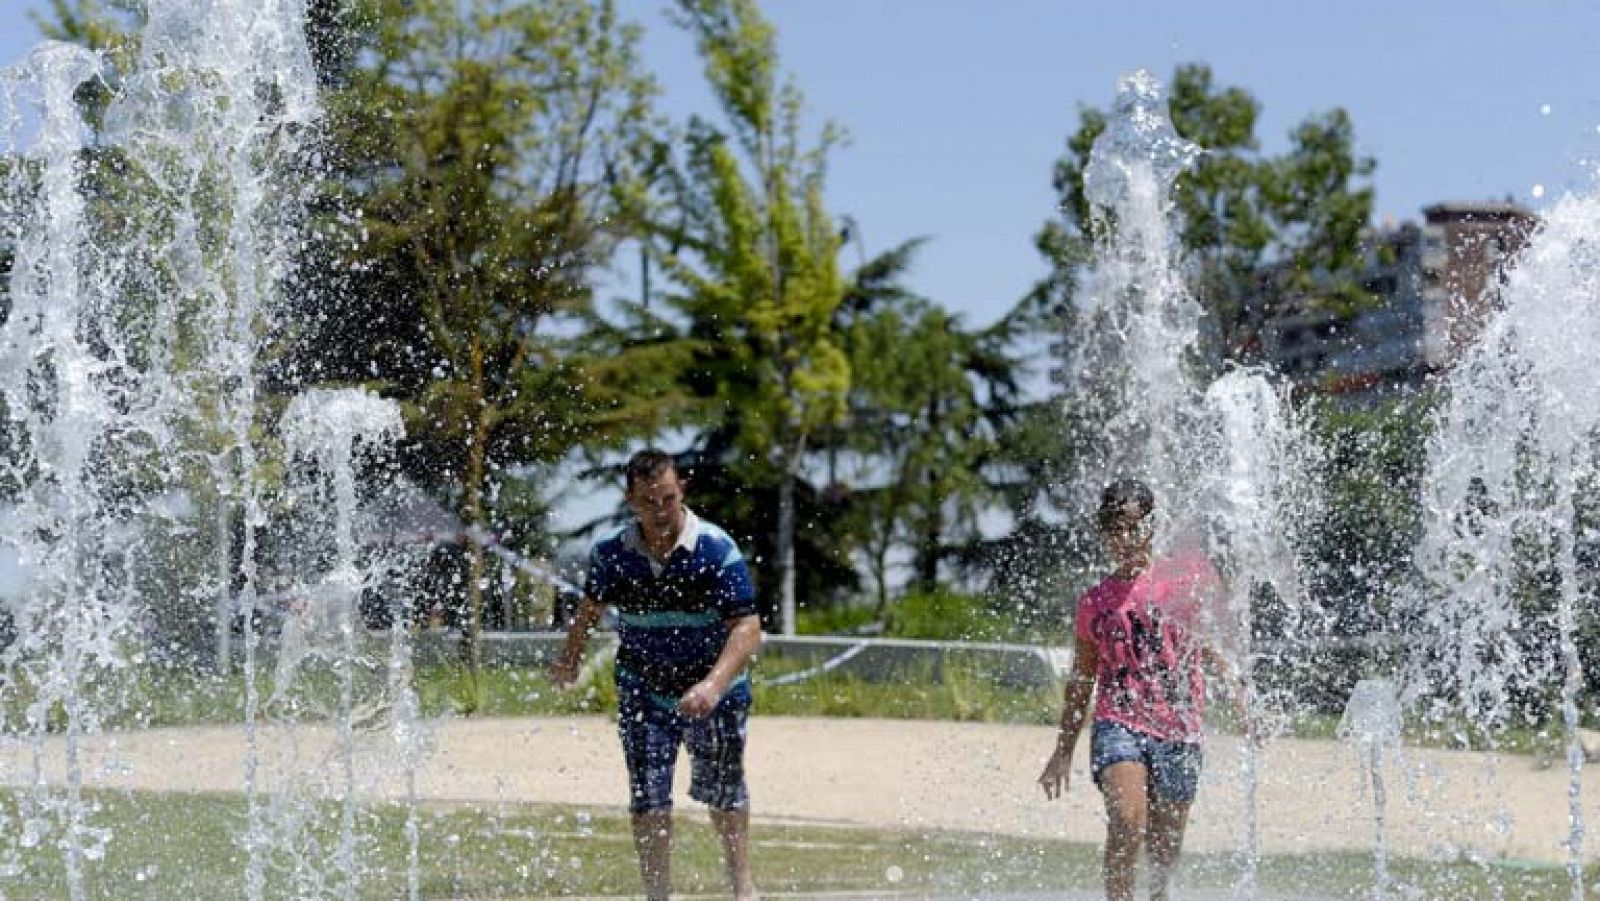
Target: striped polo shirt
x,y
674,613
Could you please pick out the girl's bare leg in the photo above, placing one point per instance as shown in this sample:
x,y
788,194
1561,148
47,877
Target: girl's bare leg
x,y
1126,789
1167,822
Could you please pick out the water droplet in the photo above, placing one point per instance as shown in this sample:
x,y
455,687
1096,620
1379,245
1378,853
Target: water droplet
x,y
894,874
1538,190
1544,109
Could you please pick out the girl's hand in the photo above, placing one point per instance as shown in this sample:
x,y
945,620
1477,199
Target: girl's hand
x,y
1056,774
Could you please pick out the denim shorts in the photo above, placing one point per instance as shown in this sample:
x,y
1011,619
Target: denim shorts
x,y
1173,766
652,729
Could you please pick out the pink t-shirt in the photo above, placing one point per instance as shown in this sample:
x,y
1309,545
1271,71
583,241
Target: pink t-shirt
x,y
1148,635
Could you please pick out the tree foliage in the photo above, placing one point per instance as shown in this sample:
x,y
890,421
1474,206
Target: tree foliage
x,y
929,398
752,258
488,160
484,161
1256,228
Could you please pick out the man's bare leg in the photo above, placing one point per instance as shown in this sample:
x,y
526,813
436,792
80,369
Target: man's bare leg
x,y
1125,786
1167,822
733,827
652,838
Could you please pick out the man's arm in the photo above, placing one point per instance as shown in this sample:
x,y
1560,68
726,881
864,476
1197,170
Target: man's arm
x,y
565,670
744,639
1074,711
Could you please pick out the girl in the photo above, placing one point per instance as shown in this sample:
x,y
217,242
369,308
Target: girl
x,y
1139,639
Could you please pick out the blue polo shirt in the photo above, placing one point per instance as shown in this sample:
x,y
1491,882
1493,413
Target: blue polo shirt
x,y
674,613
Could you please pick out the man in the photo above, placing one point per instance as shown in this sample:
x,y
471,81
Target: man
x,y
1140,640
688,628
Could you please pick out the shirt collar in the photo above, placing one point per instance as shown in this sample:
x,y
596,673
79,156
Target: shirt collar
x,y
688,536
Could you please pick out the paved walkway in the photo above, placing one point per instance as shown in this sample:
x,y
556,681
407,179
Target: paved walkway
x,y
892,774
1178,895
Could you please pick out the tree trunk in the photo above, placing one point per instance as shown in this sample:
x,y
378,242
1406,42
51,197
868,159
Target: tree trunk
x,y
473,514
785,549
932,539
224,600
880,575
931,544
789,466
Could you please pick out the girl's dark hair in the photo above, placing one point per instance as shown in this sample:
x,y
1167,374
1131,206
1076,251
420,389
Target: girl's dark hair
x,y
1119,495
648,465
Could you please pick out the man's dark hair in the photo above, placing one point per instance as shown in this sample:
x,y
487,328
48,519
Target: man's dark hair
x,y
1120,495
648,465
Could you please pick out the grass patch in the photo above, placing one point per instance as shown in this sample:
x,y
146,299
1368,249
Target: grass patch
x,y
166,846
957,691
174,846
951,689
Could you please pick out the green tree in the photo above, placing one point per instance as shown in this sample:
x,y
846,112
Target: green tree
x,y
753,262
110,27
188,246
928,399
1361,549
1051,551
1256,228
489,160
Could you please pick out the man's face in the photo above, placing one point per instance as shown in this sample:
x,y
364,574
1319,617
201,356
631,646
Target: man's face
x,y
658,503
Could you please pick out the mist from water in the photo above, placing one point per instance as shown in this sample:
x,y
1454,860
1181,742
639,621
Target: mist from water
x,y
1230,460
1511,503
155,213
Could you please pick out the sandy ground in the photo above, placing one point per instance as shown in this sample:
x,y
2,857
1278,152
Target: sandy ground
x,y
1311,796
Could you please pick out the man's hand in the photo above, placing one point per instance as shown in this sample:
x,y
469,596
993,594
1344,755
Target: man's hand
x,y
1056,775
700,699
563,673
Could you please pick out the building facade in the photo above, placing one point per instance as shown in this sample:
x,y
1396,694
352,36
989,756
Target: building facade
x,y
1431,289
1467,248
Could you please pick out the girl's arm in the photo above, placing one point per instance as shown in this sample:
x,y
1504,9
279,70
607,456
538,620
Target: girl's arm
x,y
1238,689
1074,711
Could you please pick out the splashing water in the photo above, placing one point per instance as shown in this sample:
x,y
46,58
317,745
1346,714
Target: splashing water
x,y
1227,456
1137,160
1510,503
1136,324
215,117
1372,722
135,461
63,384
328,430
1258,493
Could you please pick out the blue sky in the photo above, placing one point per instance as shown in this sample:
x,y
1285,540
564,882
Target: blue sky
x,y
957,108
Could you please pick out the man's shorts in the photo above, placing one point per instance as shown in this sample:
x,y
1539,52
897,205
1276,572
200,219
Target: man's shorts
x,y
651,729
1173,767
